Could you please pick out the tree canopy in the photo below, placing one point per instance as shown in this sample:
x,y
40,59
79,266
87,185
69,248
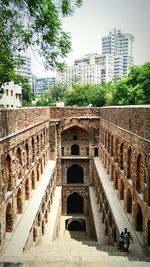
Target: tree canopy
x,y
36,23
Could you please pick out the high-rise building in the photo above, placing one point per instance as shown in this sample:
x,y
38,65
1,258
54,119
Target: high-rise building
x,y
44,83
92,68
25,68
120,45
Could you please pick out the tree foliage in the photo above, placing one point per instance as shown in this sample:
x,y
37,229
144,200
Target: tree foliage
x,y
27,93
37,24
134,89
85,95
45,99
58,91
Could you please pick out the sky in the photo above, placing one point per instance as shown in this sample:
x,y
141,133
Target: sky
x,y
95,19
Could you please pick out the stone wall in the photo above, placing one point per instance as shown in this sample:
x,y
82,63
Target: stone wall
x,y
135,119
66,112
14,120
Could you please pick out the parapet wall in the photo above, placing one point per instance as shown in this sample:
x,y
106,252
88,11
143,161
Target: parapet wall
x,y
66,112
14,120
135,119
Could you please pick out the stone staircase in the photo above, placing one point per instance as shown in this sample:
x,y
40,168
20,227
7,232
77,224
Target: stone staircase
x,y
75,250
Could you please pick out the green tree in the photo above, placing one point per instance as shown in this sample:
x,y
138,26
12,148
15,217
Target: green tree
x,y
45,99
134,89
85,95
27,93
58,91
36,24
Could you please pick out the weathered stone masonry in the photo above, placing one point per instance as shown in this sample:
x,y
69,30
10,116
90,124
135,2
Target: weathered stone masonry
x,y
120,136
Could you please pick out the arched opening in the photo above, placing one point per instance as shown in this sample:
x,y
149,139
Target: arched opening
x,y
76,225
43,227
74,149
129,201
139,219
38,146
38,173
129,163
18,155
112,146
75,174
33,149
116,180
27,155
33,180
9,219
75,137
27,193
7,173
75,204
148,233
121,156
139,174
19,202
121,190
116,150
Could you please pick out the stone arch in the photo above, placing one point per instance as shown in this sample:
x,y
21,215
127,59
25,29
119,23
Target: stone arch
x,y
75,203
129,201
33,180
116,150
75,225
116,180
139,173
33,149
38,145
38,172
75,149
43,227
112,146
75,174
27,190
7,173
121,156
27,154
18,155
112,172
139,218
19,201
9,218
121,189
129,158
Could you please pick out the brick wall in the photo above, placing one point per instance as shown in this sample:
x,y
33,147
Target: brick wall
x,y
14,120
132,118
61,113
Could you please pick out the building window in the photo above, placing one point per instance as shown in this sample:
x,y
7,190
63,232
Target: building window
x,y
7,92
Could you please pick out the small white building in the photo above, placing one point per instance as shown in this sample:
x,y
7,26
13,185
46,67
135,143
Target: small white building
x,y
12,96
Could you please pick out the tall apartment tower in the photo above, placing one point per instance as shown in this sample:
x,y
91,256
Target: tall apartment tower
x,y
120,45
25,69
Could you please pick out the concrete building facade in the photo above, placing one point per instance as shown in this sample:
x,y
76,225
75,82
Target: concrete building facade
x,y
12,96
77,150
119,44
92,69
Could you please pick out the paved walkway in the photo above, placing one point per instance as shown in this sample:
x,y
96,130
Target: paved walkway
x,y
53,217
101,238
119,215
20,236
